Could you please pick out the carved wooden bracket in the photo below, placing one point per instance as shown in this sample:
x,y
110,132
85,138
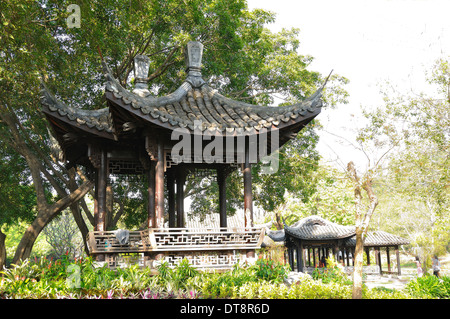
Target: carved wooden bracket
x,y
151,146
94,154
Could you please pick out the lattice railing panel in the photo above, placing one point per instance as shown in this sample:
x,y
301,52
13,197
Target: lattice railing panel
x,y
122,260
204,260
177,239
216,239
106,242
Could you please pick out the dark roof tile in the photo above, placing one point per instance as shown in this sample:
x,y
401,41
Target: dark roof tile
x,y
317,228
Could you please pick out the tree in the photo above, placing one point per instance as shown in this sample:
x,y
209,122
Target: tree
x,y
332,199
363,215
38,44
16,202
63,235
418,173
298,160
411,134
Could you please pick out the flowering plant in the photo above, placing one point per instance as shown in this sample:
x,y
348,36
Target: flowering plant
x,y
271,270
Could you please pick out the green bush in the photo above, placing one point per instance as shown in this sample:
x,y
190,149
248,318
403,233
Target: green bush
x,y
384,293
179,278
270,270
223,285
307,288
332,273
47,278
429,287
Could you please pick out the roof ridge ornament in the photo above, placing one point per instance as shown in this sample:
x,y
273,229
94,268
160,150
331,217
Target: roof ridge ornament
x,y
193,58
141,67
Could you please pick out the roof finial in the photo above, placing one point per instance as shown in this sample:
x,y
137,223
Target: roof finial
x,y
141,67
194,52
193,57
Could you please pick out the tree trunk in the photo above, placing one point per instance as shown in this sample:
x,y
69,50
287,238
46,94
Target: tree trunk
x,y
358,267
76,213
44,216
362,221
2,250
46,212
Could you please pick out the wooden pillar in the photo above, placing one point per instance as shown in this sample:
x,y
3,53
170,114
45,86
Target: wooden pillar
x,y
101,184
300,257
398,260
367,249
96,198
180,179
314,257
248,197
159,185
378,258
109,206
222,182
171,199
388,259
290,256
151,196
100,194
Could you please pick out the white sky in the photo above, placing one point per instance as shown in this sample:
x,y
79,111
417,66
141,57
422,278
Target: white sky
x,y
369,42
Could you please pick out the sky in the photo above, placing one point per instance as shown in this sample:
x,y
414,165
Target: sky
x,y
369,42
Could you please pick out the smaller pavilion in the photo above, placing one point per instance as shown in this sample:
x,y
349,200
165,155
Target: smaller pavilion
x,y
312,238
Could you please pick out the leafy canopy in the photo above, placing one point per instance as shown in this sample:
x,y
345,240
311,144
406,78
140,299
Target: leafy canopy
x,y
242,59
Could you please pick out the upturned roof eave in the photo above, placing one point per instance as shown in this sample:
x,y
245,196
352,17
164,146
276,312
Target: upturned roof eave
x,y
248,116
76,117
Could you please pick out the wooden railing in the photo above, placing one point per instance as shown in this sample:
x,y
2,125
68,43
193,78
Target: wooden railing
x,y
177,239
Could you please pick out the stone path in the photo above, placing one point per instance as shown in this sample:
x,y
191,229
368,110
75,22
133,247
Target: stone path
x,y
388,282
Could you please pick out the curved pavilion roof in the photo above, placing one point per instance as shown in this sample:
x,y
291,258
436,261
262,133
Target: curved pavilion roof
x,y
378,238
315,228
195,100
96,122
194,105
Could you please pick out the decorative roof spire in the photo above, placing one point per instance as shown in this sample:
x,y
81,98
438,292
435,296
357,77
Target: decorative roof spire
x,y
193,57
141,67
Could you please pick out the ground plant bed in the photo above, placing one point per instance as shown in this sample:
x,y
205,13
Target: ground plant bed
x,y
266,279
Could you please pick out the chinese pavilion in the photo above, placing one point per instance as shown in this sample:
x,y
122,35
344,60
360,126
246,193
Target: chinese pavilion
x,y
166,138
313,239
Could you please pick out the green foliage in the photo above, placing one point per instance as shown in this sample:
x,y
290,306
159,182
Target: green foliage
x,y
385,293
270,270
17,197
331,199
243,59
63,236
48,278
429,287
332,273
223,285
307,288
178,278
414,197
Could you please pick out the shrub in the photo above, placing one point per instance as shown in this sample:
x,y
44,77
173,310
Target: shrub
x,y
270,270
384,293
224,285
429,287
304,289
178,278
331,274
